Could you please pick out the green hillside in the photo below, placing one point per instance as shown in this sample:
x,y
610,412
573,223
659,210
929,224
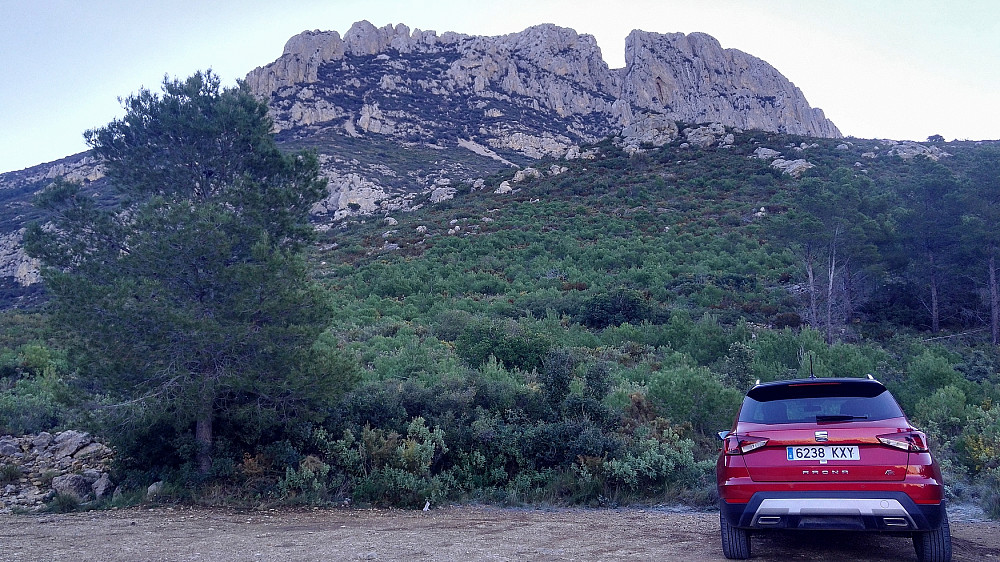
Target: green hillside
x,y
582,338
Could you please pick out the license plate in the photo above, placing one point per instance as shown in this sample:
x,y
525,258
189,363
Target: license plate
x,y
824,453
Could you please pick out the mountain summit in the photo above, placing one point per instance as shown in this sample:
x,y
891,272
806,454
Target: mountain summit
x,y
416,85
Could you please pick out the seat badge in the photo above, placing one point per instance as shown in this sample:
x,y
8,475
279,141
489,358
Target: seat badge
x,y
821,436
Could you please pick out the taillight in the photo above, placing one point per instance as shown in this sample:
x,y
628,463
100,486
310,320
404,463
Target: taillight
x,y
740,444
911,441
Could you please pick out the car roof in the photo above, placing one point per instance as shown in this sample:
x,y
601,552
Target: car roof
x,y
868,380
816,387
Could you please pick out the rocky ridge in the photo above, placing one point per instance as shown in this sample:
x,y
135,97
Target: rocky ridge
x,y
507,100
688,78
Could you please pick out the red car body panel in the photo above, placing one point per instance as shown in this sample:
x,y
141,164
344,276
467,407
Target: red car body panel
x,y
880,468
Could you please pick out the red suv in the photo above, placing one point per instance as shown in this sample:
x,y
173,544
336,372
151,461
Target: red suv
x,y
828,454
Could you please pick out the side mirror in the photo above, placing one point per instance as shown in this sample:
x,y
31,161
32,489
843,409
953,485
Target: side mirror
x,y
723,434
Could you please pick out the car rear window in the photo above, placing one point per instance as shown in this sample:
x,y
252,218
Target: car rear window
x,y
814,401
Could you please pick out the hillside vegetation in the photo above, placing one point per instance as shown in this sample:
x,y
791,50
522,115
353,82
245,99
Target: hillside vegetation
x,y
582,338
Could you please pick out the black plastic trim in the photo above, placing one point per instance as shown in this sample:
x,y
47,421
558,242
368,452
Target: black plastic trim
x,y
926,517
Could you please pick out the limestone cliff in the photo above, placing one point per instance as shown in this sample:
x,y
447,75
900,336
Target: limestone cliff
x,y
691,78
549,69
508,99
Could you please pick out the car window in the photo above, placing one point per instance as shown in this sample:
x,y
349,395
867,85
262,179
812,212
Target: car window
x,y
782,405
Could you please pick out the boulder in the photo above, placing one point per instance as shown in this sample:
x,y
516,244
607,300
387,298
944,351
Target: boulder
x,y
9,447
653,129
704,137
91,451
102,486
526,173
794,168
73,485
440,194
765,153
42,440
69,442
154,490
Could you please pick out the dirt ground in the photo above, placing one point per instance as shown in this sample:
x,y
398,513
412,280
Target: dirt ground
x,y
450,533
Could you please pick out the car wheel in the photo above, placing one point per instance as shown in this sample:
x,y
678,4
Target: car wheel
x,y
934,546
735,541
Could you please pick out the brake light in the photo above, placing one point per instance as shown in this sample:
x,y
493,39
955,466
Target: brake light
x,y
911,441
740,445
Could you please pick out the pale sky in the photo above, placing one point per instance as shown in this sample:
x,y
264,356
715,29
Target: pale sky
x,y
899,69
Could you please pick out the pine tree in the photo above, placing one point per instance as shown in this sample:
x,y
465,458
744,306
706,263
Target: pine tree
x,y
189,299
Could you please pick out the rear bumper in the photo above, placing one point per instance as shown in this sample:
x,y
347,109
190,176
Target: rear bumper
x,y
834,510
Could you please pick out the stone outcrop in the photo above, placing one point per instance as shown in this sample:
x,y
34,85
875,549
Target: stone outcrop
x,y
765,153
691,78
651,129
71,463
14,263
909,149
794,168
704,137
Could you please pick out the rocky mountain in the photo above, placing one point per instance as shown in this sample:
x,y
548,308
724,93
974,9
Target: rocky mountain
x,y
405,118
464,106
321,78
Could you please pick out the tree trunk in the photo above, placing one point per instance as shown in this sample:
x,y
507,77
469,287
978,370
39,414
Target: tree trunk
x,y
203,434
829,295
848,290
810,274
994,300
935,319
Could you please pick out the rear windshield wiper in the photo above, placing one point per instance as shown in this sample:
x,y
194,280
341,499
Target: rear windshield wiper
x,y
839,417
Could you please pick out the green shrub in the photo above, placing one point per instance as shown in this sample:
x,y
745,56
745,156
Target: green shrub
x,y
9,473
784,354
695,395
63,503
654,465
991,496
451,323
35,404
615,308
979,445
737,367
512,345
308,484
705,340
556,376
925,375
597,380
944,412
384,467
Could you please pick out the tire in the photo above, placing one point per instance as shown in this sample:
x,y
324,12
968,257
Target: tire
x,y
735,541
934,546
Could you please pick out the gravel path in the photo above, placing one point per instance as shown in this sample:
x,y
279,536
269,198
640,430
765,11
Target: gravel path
x,y
450,533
